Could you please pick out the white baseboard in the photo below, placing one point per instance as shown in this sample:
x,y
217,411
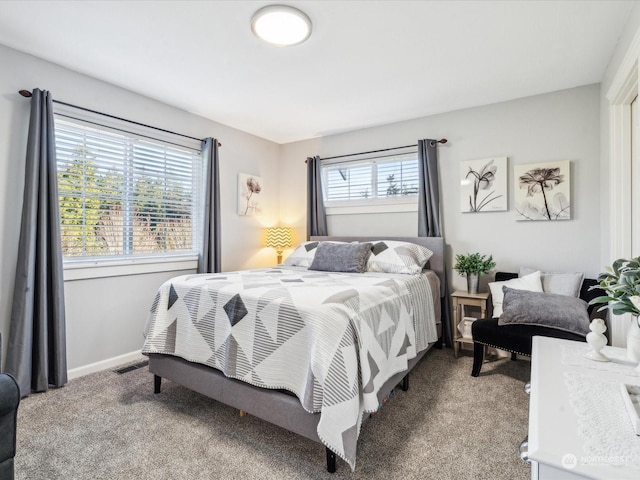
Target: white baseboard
x,y
104,364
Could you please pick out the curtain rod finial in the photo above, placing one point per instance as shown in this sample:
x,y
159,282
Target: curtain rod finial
x,y
25,93
442,140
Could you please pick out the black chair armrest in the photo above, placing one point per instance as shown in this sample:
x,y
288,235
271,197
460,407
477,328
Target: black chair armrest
x,y
9,401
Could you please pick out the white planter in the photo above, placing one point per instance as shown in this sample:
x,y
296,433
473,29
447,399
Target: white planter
x,y
633,340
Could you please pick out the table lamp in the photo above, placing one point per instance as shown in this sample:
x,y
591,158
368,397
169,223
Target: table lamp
x,y
279,238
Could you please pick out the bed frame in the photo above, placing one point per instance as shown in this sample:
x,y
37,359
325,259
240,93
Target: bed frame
x,y
275,406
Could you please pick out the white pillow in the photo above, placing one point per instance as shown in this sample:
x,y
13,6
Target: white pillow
x,y
303,255
559,283
392,256
529,282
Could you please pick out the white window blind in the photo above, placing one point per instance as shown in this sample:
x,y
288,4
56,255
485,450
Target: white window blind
x,y
123,195
371,179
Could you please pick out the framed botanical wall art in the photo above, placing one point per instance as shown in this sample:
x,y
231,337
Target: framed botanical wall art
x,y
249,188
483,185
543,191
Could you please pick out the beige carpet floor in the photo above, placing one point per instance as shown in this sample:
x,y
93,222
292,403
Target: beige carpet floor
x,y
449,425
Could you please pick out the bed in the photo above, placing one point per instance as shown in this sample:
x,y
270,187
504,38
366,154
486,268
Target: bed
x,y
310,351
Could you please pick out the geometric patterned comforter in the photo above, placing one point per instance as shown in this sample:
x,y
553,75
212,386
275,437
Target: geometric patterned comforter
x,y
332,339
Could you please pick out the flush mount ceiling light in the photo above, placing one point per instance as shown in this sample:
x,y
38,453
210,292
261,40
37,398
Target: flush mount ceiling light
x,y
281,25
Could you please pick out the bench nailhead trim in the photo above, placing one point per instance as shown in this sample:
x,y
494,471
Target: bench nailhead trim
x,y
505,349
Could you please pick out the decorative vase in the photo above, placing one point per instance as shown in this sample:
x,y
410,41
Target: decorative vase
x,y
633,340
597,340
472,282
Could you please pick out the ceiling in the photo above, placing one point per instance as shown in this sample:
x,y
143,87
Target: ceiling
x,y
366,63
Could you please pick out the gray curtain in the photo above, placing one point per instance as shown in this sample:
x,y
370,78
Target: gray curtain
x,y
429,217
316,216
209,260
37,352
428,192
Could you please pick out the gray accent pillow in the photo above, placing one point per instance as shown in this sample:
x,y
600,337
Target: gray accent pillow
x,y
303,255
551,310
337,257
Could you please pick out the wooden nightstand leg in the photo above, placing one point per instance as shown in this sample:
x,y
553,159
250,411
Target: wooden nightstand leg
x,y
454,327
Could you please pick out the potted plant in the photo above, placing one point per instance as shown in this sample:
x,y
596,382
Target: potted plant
x,y
621,283
473,265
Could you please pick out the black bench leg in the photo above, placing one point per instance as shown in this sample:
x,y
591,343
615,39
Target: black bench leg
x,y
157,382
478,358
405,383
331,461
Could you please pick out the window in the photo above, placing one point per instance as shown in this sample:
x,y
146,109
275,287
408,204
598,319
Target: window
x,y
392,180
125,195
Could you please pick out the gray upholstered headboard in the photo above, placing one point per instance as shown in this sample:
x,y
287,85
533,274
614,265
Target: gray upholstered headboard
x,y
435,244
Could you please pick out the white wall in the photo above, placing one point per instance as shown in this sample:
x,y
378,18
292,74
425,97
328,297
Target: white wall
x,y
624,42
562,125
105,316
618,325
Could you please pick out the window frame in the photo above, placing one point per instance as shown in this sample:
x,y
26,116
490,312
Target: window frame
x,y
78,268
375,204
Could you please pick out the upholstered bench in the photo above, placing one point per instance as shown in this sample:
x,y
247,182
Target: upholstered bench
x,y
517,338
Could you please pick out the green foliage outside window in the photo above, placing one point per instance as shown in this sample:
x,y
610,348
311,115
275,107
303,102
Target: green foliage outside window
x,y
100,216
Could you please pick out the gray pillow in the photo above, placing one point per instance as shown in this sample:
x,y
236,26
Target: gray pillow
x,y
544,309
341,257
560,283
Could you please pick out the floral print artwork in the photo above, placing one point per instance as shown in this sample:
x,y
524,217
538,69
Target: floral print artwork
x,y
249,188
483,185
543,191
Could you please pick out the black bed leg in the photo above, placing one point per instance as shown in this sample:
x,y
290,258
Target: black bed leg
x,y
478,358
514,356
405,383
157,382
331,461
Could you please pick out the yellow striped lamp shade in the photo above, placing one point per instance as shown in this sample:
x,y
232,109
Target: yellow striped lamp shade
x,y
279,237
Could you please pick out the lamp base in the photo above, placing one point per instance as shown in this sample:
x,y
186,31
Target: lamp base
x,y
279,252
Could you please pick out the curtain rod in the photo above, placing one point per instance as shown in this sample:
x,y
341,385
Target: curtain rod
x,y
442,140
27,94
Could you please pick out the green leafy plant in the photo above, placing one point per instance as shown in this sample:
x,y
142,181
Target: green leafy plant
x,y
474,263
621,283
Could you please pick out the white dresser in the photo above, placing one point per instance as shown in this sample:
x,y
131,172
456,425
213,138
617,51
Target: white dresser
x,y
577,423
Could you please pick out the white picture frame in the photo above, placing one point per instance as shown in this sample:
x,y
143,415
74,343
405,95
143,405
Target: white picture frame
x,y
542,191
483,185
249,189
